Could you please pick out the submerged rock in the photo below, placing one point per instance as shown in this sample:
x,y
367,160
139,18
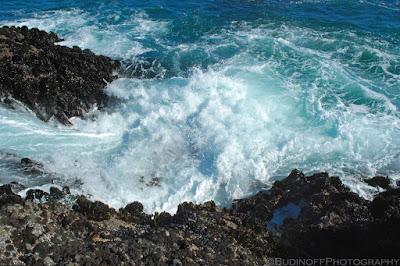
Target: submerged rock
x,y
51,80
24,166
32,167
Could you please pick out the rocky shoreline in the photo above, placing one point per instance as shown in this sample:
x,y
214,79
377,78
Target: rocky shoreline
x,y
301,216
53,81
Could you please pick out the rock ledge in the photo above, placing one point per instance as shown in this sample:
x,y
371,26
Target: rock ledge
x,y
330,221
51,80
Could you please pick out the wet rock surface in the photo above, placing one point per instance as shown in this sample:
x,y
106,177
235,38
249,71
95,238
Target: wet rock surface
x,y
332,221
379,181
25,166
49,79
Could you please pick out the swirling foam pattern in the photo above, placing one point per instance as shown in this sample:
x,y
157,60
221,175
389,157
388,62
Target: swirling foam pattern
x,y
239,93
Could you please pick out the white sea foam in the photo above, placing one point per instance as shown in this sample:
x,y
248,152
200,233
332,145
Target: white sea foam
x,y
285,98
83,29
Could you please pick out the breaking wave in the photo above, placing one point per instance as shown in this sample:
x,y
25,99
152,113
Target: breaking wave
x,y
219,116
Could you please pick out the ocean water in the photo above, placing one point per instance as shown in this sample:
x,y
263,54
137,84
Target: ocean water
x,y
221,98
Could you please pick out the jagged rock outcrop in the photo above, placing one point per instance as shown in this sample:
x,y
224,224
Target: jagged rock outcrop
x,y
330,220
91,233
50,79
379,181
324,219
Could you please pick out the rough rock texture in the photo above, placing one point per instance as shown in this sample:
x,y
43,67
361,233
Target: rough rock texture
x,y
51,80
50,233
379,181
333,222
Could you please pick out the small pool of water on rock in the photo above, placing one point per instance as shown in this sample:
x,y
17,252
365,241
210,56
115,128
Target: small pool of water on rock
x,y
289,211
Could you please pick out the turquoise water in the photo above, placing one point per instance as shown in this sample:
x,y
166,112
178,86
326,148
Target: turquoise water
x,y
232,96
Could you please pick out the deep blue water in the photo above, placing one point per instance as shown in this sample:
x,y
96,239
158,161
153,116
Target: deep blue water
x,y
234,95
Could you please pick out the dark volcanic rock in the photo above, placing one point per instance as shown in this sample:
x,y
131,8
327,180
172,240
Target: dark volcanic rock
x,y
315,216
332,221
134,208
56,193
31,167
379,181
37,194
97,210
8,197
386,205
94,234
51,80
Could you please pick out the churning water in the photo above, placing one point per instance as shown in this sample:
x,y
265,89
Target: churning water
x,y
221,98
